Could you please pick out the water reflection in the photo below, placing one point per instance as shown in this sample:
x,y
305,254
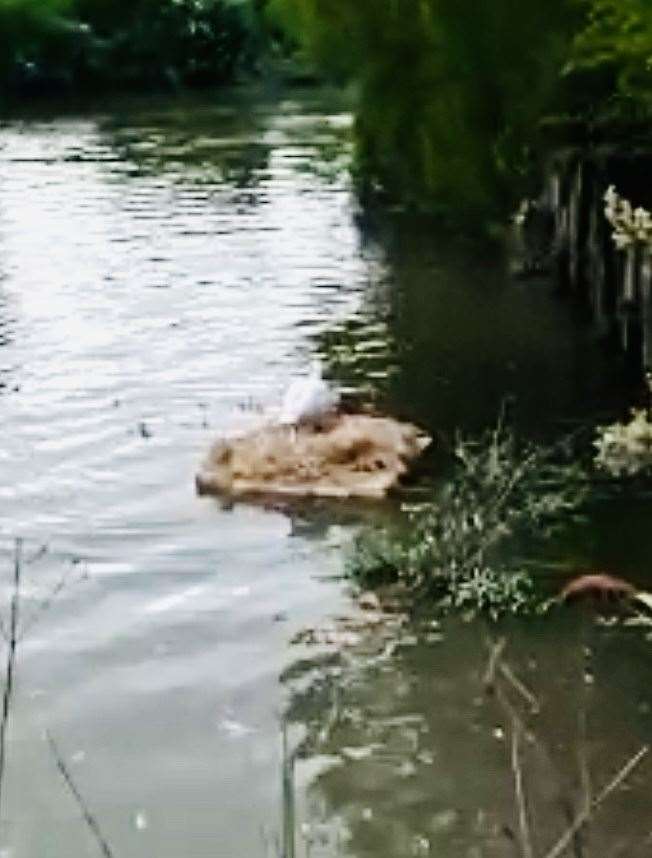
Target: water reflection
x,y
444,336
231,145
408,751
7,333
150,293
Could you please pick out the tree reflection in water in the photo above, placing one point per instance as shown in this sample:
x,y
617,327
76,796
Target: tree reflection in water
x,y
427,739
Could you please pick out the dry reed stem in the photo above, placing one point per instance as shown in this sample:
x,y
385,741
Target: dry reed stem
x,y
585,814
522,689
88,816
496,650
12,641
519,789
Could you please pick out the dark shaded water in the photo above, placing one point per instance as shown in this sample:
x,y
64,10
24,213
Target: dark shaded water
x,y
164,269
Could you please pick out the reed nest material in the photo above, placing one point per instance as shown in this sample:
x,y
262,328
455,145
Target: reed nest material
x,y
354,455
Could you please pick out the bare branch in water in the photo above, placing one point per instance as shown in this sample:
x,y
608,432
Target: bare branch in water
x,y
41,551
43,606
497,650
289,820
497,664
88,816
517,771
585,814
516,683
12,640
518,730
586,787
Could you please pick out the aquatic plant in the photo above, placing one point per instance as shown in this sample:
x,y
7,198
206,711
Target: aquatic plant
x,y
452,550
12,633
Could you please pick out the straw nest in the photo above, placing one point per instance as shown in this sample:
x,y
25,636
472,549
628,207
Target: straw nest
x,y
354,455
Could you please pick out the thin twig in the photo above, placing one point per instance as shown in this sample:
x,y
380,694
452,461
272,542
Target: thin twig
x,y
496,663
586,812
12,641
584,770
45,604
497,650
289,820
522,689
523,824
569,814
41,551
518,730
89,818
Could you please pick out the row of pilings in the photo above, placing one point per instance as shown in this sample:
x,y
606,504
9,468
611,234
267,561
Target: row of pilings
x,y
614,285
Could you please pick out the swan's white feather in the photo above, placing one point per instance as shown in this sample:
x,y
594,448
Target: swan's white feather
x,y
307,399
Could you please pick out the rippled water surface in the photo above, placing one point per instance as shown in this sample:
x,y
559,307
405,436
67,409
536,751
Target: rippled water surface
x,y
165,270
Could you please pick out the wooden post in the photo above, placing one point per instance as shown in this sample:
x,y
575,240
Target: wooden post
x,y
596,268
574,217
629,278
646,309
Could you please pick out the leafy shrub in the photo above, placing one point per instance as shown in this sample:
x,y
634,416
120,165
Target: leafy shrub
x,y
449,92
453,550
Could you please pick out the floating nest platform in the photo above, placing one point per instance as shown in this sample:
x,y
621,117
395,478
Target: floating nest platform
x,y
352,456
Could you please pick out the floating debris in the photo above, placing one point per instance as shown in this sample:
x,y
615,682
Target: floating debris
x,y
603,589
356,455
140,821
598,585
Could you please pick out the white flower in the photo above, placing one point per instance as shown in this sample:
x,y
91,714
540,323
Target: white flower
x,y
630,226
625,448
610,195
622,240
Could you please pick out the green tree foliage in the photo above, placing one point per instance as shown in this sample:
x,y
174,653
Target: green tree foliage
x,y
33,27
449,90
89,43
457,550
193,42
610,68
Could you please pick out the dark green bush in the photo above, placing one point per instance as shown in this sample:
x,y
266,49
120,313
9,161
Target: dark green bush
x,y
455,550
77,44
609,71
451,93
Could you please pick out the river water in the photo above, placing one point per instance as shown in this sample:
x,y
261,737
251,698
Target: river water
x,y
165,269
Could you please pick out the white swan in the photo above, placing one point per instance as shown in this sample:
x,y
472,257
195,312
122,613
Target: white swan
x,y
308,399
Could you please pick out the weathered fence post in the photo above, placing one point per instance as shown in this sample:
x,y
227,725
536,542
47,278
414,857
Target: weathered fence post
x,y
574,225
646,309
